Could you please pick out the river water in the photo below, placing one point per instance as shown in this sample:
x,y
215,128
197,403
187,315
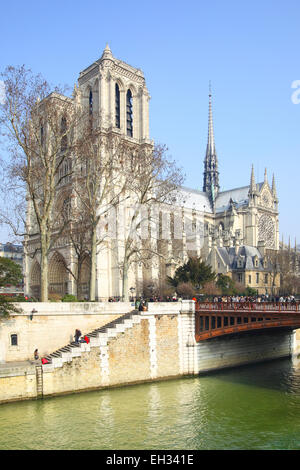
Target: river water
x,y
251,407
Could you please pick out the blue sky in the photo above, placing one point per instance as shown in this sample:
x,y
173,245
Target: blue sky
x,y
249,51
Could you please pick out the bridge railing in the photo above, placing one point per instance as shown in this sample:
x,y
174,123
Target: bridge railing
x,y
249,306
220,318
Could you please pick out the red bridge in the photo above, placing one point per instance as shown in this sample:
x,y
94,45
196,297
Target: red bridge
x,y
224,318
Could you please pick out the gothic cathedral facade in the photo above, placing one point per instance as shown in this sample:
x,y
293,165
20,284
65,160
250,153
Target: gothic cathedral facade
x,y
224,224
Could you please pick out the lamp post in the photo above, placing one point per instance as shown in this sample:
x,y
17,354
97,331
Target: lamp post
x,y
132,289
198,287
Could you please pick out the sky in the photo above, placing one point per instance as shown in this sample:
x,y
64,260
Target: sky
x,y
248,50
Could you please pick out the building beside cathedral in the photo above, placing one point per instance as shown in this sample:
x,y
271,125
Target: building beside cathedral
x,y
231,229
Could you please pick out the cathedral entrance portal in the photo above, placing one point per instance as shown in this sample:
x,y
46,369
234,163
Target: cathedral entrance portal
x,y
58,275
35,280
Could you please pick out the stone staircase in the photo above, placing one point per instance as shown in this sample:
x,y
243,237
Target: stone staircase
x,y
98,337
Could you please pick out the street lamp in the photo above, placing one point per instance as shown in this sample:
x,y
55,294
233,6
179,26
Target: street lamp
x,y
132,289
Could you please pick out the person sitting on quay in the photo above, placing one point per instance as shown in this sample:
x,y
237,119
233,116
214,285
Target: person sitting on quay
x,y
84,339
36,355
77,335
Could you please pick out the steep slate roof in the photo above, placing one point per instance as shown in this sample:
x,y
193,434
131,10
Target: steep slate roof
x,y
246,253
238,195
194,199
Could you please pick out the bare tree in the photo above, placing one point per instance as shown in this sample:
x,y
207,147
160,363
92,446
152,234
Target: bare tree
x,y
100,186
279,266
77,233
153,181
39,128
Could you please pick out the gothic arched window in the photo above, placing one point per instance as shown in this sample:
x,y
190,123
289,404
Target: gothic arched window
x,y
63,130
91,102
117,104
42,135
129,113
66,208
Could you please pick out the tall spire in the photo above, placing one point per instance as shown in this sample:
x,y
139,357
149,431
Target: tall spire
x,y
106,53
252,188
252,181
274,186
210,149
211,174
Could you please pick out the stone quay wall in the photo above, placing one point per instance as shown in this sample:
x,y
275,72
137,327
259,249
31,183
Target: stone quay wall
x,y
157,344
52,326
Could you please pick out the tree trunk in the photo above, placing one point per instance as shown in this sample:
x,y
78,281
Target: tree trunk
x,y
125,292
44,268
93,265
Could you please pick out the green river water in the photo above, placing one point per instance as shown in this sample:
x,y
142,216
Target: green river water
x,y
251,407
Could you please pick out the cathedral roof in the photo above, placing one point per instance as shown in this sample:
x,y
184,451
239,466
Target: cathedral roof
x,y
195,199
199,200
246,254
238,195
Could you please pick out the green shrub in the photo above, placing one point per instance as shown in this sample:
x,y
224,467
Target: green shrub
x,y
19,298
69,298
7,307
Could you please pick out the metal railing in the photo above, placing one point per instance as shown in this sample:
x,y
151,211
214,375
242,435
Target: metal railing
x,y
214,319
292,306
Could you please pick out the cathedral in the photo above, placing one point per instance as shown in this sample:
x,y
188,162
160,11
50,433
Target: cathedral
x,y
231,230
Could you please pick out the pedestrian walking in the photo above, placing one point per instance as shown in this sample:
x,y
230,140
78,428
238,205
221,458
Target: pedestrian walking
x,y
36,355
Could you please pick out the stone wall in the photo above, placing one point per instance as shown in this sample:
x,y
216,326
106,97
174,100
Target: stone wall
x,y
249,347
17,383
146,346
296,343
167,345
129,355
82,373
52,326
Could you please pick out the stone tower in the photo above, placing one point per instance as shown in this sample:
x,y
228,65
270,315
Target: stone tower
x,y
117,97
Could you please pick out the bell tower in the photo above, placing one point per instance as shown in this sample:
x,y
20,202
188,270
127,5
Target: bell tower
x,y
116,95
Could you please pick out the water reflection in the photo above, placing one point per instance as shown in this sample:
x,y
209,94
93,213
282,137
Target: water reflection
x,y
281,374
254,407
